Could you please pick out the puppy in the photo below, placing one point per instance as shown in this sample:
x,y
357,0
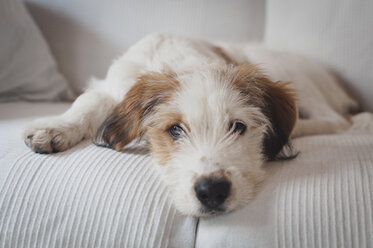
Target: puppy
x,y
211,113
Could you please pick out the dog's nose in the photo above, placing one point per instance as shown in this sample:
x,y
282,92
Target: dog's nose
x,y
212,192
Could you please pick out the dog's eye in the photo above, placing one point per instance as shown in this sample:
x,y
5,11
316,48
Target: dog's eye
x,y
237,127
175,131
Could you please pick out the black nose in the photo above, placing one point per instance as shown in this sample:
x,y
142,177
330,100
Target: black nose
x,y
212,192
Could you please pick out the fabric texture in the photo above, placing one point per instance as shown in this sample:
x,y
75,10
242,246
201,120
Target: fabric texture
x,y
85,197
27,69
92,197
323,198
335,32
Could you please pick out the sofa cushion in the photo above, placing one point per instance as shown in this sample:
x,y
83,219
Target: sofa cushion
x,y
87,196
338,33
27,69
323,198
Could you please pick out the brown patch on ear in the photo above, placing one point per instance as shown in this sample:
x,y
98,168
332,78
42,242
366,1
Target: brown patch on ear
x,y
125,123
221,53
281,110
277,102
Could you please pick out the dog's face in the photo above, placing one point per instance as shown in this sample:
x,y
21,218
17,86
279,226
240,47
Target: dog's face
x,y
209,132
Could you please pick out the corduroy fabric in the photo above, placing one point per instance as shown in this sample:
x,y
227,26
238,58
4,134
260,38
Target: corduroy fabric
x,y
96,197
85,197
324,198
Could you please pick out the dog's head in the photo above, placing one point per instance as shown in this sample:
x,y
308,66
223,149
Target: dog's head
x,y
209,131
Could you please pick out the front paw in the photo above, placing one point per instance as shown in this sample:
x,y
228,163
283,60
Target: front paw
x,y
46,140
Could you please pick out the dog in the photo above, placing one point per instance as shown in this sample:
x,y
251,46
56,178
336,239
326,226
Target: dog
x,y
211,113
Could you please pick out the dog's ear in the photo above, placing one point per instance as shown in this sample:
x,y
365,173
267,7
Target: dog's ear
x,y
277,102
125,123
280,108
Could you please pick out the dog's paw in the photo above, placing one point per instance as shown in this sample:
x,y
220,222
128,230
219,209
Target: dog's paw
x,y
49,139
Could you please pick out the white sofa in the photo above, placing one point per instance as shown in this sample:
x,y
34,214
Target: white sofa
x,y
95,197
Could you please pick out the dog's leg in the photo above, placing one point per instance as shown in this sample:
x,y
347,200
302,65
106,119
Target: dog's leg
x,y
317,119
319,126
59,133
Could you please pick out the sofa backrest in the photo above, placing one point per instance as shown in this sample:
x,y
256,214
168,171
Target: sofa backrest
x,y
339,33
86,35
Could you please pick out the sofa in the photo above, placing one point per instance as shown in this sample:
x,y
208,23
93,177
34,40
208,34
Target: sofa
x,y
91,196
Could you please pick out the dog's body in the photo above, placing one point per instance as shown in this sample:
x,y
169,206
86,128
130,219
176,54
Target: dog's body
x,y
210,116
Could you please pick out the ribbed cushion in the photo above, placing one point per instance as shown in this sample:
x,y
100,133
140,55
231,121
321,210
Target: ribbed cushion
x,y
96,197
321,199
85,197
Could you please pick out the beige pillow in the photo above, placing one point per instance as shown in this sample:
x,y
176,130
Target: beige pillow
x,y
27,69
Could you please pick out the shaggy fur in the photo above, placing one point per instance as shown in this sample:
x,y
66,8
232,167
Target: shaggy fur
x,y
215,111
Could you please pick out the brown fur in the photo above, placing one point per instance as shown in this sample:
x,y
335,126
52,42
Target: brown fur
x,y
276,100
125,123
162,144
220,52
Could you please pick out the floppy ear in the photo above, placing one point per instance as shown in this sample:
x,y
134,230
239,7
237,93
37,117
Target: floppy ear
x,y
281,110
276,100
125,123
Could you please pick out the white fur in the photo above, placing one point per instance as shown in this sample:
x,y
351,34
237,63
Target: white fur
x,y
209,104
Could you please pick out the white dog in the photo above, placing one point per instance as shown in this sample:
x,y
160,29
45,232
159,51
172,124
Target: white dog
x,y
211,114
